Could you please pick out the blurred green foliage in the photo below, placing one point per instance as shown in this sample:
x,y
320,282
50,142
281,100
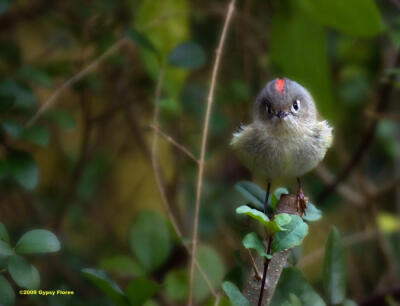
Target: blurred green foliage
x,y
83,169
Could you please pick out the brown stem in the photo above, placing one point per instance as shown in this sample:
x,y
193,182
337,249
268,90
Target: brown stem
x,y
200,174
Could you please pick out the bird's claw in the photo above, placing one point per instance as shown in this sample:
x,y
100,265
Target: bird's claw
x,y
301,202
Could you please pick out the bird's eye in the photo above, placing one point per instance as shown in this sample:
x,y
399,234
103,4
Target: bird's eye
x,y
296,106
269,108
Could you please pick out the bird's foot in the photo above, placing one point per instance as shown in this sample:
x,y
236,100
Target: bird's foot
x,y
301,201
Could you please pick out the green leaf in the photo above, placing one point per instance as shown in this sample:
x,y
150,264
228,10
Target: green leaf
x,y
36,75
37,241
276,196
7,295
278,192
123,265
3,233
334,269
23,273
24,96
62,118
294,300
12,127
360,17
187,55
252,192
140,290
95,172
308,65
6,101
177,285
312,213
5,5
141,40
3,169
295,232
164,36
213,266
349,302
252,241
253,213
37,135
150,240
234,294
276,225
102,281
5,249
23,168
293,282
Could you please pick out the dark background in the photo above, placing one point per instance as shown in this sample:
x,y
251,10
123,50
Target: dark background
x,y
85,170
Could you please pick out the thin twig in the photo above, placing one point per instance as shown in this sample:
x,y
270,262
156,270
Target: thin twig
x,y
175,143
217,299
77,77
387,116
346,191
253,263
160,185
210,100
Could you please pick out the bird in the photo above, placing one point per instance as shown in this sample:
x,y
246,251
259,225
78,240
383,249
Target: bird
x,y
286,139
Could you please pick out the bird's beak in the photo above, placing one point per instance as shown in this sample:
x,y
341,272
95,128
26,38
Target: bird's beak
x,y
281,114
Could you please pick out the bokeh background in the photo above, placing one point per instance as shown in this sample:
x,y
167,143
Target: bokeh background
x,y
83,168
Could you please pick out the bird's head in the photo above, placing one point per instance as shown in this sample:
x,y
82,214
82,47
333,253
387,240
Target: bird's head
x,y
284,102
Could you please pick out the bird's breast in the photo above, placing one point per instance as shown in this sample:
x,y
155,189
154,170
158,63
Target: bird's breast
x,y
276,155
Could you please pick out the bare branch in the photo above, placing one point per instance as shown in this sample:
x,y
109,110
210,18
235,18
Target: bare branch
x,y
253,263
159,181
89,68
175,143
210,100
344,190
375,115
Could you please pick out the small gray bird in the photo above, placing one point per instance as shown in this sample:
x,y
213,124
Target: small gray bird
x,y
285,139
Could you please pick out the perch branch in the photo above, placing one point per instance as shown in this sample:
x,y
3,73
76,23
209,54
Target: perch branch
x,y
175,143
287,204
203,144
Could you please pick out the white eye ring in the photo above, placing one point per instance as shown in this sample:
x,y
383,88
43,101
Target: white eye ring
x,y
296,106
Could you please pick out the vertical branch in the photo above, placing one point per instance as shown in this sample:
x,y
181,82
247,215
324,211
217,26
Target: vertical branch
x,y
270,238
159,178
204,143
